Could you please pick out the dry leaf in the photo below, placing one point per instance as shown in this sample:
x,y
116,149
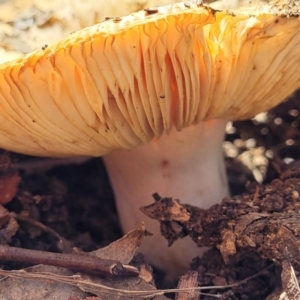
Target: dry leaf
x,y
188,280
124,248
121,250
166,209
29,289
9,184
290,282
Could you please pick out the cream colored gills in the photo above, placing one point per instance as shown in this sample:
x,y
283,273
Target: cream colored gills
x,y
167,79
80,76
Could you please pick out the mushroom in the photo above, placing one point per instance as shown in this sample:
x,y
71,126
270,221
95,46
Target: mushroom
x,y
152,92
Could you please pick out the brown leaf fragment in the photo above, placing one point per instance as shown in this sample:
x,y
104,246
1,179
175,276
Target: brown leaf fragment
x,y
289,281
9,184
188,280
227,247
172,231
146,272
123,249
166,209
8,226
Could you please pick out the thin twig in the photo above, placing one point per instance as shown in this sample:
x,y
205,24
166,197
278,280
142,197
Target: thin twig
x,y
79,262
65,244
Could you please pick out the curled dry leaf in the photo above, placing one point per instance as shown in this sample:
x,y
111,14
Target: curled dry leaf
x,y
124,248
166,209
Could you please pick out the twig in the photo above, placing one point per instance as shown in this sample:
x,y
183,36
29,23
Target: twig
x,y
65,244
79,262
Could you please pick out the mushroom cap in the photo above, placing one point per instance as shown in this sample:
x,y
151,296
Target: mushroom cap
x,y
126,80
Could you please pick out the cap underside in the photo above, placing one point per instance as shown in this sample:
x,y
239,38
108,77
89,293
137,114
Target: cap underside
x,y
121,82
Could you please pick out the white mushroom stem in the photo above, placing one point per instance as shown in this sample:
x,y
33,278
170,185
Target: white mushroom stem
x,y
187,165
